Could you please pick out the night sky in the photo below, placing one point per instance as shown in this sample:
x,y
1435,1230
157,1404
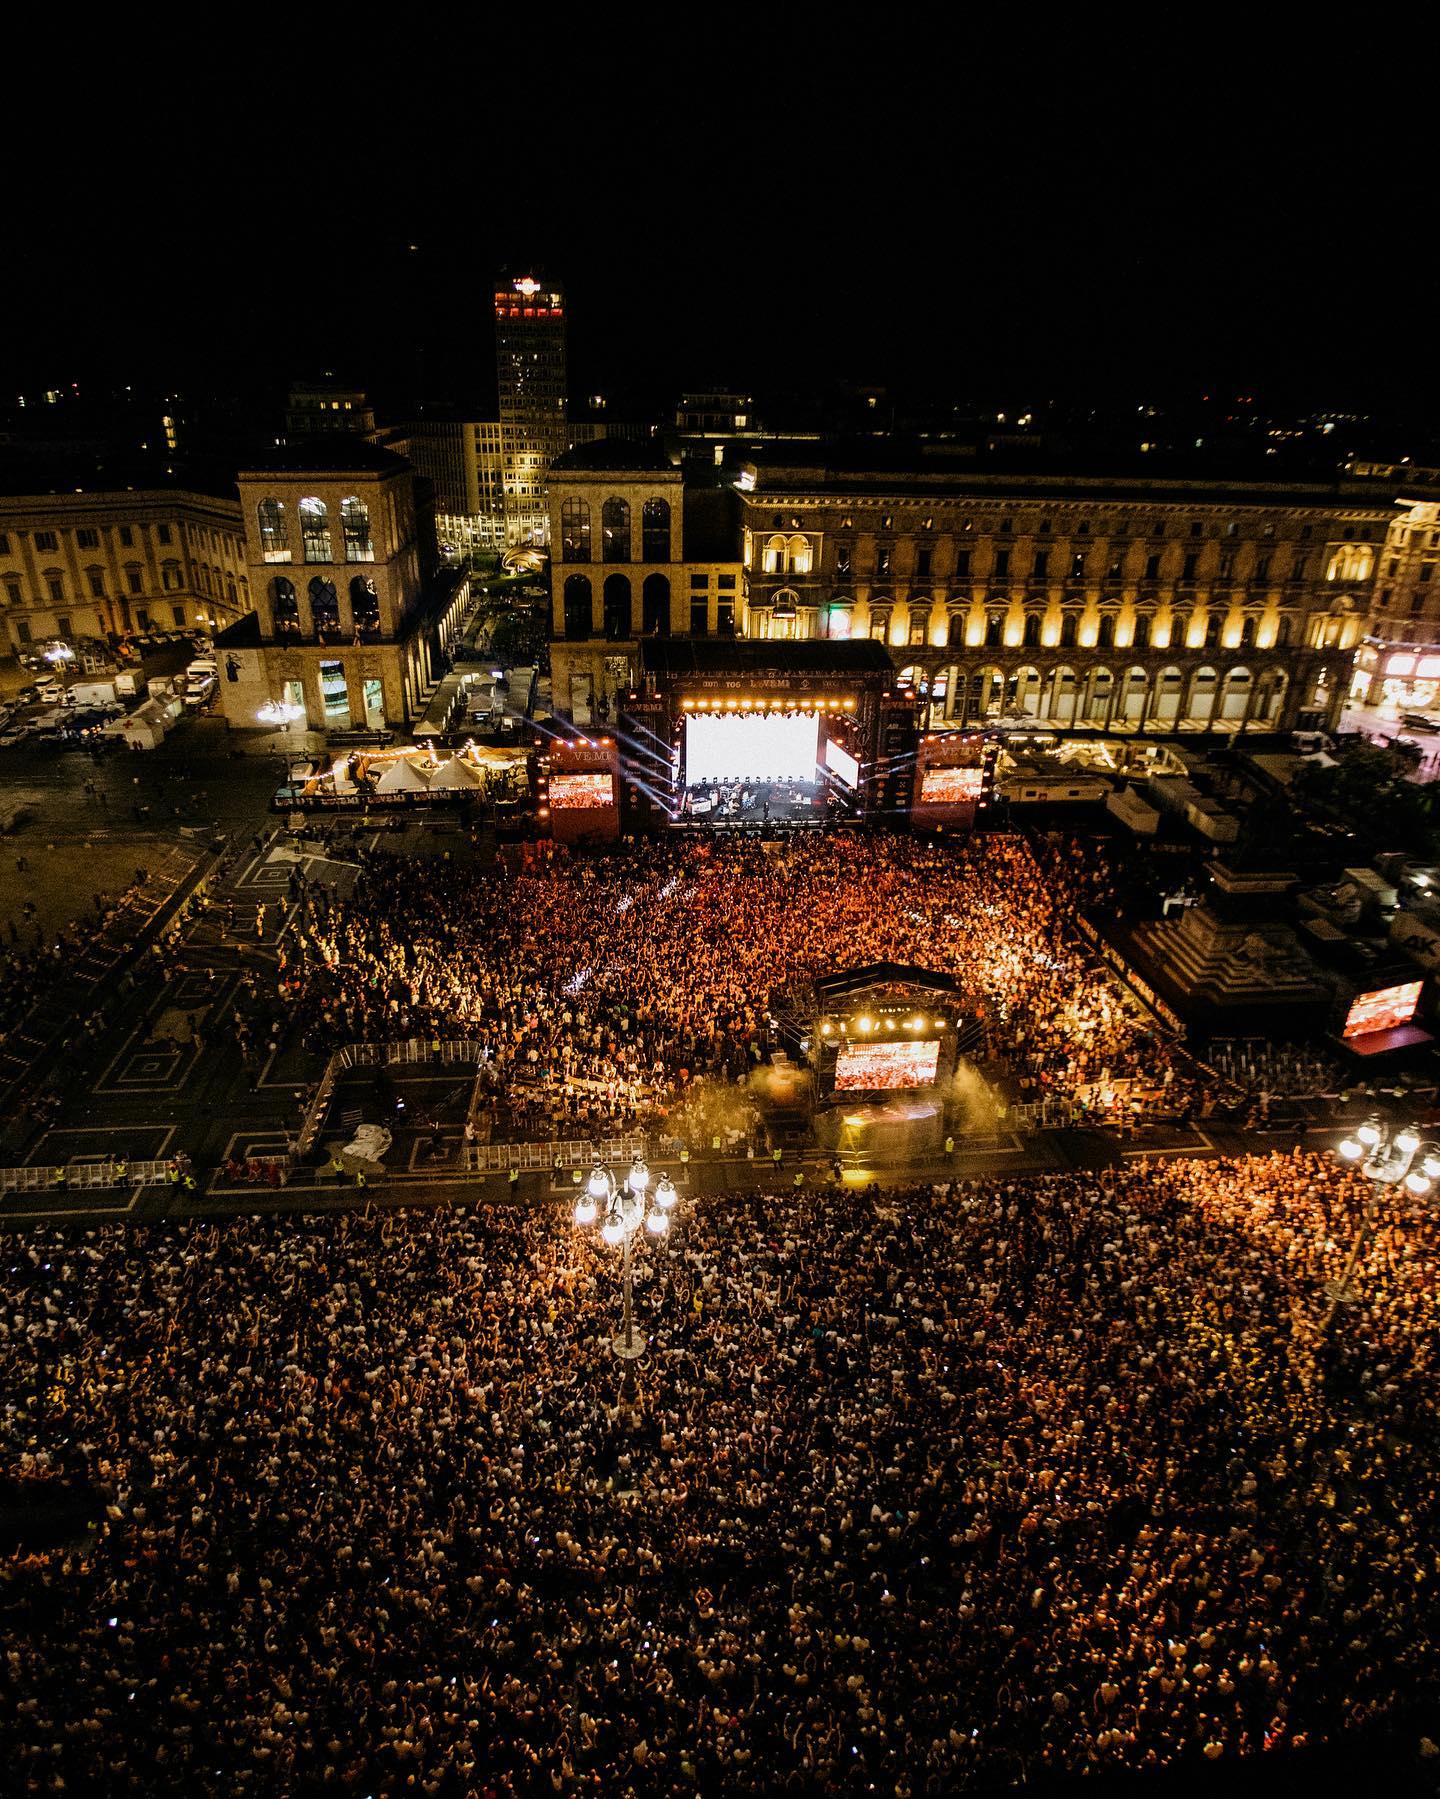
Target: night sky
x,y
977,219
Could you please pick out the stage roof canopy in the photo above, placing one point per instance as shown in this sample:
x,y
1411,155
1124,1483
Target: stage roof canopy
x,y
835,660
846,981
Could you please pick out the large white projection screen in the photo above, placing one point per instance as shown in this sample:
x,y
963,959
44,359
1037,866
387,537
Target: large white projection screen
x,y
777,747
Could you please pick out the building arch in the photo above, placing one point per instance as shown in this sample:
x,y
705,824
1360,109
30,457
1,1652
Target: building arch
x,y
577,596
987,692
284,607
655,600
1060,695
270,519
615,601
1235,694
324,606
1134,691
1169,688
315,530
1200,705
574,530
655,531
797,552
1022,692
615,529
1099,695
1030,635
364,606
1350,562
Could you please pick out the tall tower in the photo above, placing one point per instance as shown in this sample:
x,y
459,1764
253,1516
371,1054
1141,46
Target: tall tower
x,y
530,364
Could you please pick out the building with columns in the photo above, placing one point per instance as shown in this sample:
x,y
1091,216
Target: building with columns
x,y
1398,662
351,622
112,563
1118,601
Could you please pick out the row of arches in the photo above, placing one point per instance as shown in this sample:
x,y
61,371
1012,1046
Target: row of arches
x,y
617,608
616,542
316,544
1105,697
996,630
324,604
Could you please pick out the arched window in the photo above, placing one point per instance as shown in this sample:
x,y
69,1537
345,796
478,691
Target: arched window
x,y
1105,636
324,606
798,550
955,631
274,545
1247,633
315,530
655,597
1283,628
364,607
1214,624
1141,639
284,607
995,630
574,531
617,606
615,531
1179,630
774,561
880,623
355,528
577,606
1031,637
655,531
1069,630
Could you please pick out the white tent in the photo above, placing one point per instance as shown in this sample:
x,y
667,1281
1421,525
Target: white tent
x,y
402,776
452,775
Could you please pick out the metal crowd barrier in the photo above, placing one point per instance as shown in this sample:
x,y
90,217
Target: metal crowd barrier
x,y
568,1152
378,1055
79,1176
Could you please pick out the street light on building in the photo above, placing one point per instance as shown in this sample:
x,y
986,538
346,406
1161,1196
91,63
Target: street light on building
x,y
621,1208
1387,1158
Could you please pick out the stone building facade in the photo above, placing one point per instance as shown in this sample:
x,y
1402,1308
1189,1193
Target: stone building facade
x,y
1398,662
103,565
1140,603
350,627
636,551
530,376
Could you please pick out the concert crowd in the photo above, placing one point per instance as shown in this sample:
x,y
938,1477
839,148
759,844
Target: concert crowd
x,y
603,988
916,1493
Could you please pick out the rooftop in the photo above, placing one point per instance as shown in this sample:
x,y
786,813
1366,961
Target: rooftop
x,y
339,453
620,455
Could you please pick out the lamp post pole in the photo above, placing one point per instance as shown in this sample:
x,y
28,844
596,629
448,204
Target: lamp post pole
x,y
1389,1157
621,1210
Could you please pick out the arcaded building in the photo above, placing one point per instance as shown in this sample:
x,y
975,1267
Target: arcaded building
x,y
637,550
351,622
1131,601
1398,662
1135,601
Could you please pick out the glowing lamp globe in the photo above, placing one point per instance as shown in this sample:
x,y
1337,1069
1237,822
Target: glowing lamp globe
x,y
665,1194
585,1210
1407,1143
1351,1150
598,1186
1417,1183
613,1232
639,1176
1369,1135
659,1222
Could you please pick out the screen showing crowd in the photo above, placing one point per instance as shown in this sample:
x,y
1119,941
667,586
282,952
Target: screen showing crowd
x,y
951,786
880,1067
1383,1010
572,793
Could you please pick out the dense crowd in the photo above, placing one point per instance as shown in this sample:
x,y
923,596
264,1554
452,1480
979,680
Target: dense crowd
x,y
603,988
916,1492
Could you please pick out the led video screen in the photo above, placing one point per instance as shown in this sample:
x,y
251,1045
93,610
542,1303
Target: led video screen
x,y
880,1067
1383,1010
575,793
951,786
776,747
841,763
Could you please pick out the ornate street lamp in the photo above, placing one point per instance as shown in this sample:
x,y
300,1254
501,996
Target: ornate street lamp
x,y
621,1209
1387,1158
